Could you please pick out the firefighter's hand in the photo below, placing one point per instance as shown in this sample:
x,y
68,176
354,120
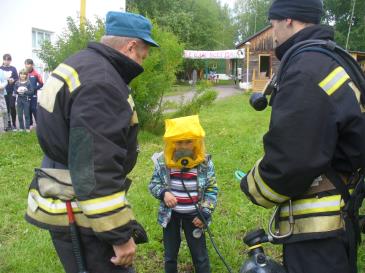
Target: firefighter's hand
x,y
198,223
170,200
124,254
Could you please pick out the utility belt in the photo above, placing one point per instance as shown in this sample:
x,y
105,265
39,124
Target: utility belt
x,y
48,193
51,188
319,213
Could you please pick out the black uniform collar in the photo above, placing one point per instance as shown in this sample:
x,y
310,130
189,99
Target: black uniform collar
x,y
321,32
126,67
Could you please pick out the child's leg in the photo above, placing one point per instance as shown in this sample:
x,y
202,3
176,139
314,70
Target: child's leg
x,y
20,106
27,113
171,241
197,246
13,110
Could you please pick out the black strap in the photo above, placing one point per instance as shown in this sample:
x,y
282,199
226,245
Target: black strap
x,y
350,216
339,184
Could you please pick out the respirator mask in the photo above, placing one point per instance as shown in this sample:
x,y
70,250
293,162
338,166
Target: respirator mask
x,y
184,142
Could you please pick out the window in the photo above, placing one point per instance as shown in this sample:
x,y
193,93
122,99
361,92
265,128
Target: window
x,y
38,37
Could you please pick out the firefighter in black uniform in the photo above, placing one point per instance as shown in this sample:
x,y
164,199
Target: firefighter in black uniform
x,y
316,125
87,128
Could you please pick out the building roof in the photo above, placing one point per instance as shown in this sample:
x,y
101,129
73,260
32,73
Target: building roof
x,y
253,36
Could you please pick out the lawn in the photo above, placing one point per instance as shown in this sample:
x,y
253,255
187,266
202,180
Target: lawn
x,y
234,132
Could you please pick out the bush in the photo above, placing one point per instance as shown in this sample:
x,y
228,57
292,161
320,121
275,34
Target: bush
x,y
158,78
71,40
204,96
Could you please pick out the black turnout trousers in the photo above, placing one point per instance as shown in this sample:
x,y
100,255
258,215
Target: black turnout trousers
x,y
97,254
317,256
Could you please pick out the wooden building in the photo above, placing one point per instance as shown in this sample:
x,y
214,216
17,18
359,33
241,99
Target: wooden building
x,y
360,58
262,62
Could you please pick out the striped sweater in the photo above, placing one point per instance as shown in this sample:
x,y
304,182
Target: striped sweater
x,y
185,204
161,182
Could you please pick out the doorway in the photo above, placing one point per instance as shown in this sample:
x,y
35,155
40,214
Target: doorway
x,y
265,66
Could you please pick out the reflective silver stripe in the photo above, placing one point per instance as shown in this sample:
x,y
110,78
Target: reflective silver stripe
x,y
69,75
103,204
334,80
48,204
47,97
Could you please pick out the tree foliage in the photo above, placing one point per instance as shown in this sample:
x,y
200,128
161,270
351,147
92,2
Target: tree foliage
x,y
71,40
250,17
338,13
199,24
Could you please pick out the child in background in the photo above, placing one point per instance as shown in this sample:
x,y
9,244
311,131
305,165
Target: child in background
x,y
24,91
3,109
184,179
37,83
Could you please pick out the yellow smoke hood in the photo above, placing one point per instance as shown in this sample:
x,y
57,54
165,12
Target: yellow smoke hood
x,y
184,128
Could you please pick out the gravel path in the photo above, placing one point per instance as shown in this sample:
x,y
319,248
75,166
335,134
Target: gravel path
x,y
223,92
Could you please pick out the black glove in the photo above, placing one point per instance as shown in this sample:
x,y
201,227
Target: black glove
x,y
139,234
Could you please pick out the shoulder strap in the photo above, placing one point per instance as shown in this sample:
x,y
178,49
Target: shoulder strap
x,y
331,49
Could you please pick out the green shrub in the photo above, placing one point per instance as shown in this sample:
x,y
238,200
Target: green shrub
x,y
71,40
204,96
158,78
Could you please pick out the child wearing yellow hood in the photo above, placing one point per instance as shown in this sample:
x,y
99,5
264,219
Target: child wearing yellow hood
x,y
184,181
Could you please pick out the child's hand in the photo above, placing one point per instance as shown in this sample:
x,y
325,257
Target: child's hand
x,y
198,223
170,200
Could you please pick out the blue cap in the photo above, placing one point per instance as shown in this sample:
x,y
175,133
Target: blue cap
x,y
127,24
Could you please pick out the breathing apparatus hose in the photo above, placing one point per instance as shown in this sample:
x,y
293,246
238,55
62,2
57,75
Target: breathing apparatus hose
x,y
76,240
229,269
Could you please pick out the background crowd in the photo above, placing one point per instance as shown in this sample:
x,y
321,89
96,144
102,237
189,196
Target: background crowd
x,y
18,95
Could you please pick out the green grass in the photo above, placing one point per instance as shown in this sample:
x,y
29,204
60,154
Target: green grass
x,y
234,138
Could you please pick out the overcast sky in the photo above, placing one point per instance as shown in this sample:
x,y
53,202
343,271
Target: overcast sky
x,y
229,2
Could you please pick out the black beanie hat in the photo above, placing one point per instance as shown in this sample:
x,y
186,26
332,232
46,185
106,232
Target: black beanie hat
x,y
308,11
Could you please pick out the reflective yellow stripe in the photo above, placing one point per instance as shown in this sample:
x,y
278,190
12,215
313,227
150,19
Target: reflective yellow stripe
x,y
101,224
255,194
112,221
103,204
134,119
314,205
69,75
268,192
50,205
89,207
315,224
334,80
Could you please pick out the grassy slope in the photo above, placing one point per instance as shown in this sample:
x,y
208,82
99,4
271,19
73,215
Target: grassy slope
x,y
234,133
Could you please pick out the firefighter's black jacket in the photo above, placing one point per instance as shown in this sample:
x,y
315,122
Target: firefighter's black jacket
x,y
316,122
86,120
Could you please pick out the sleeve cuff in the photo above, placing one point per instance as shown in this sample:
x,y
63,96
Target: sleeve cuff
x,y
162,194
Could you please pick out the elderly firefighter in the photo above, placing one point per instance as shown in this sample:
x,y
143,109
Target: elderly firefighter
x,y
314,148
87,128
